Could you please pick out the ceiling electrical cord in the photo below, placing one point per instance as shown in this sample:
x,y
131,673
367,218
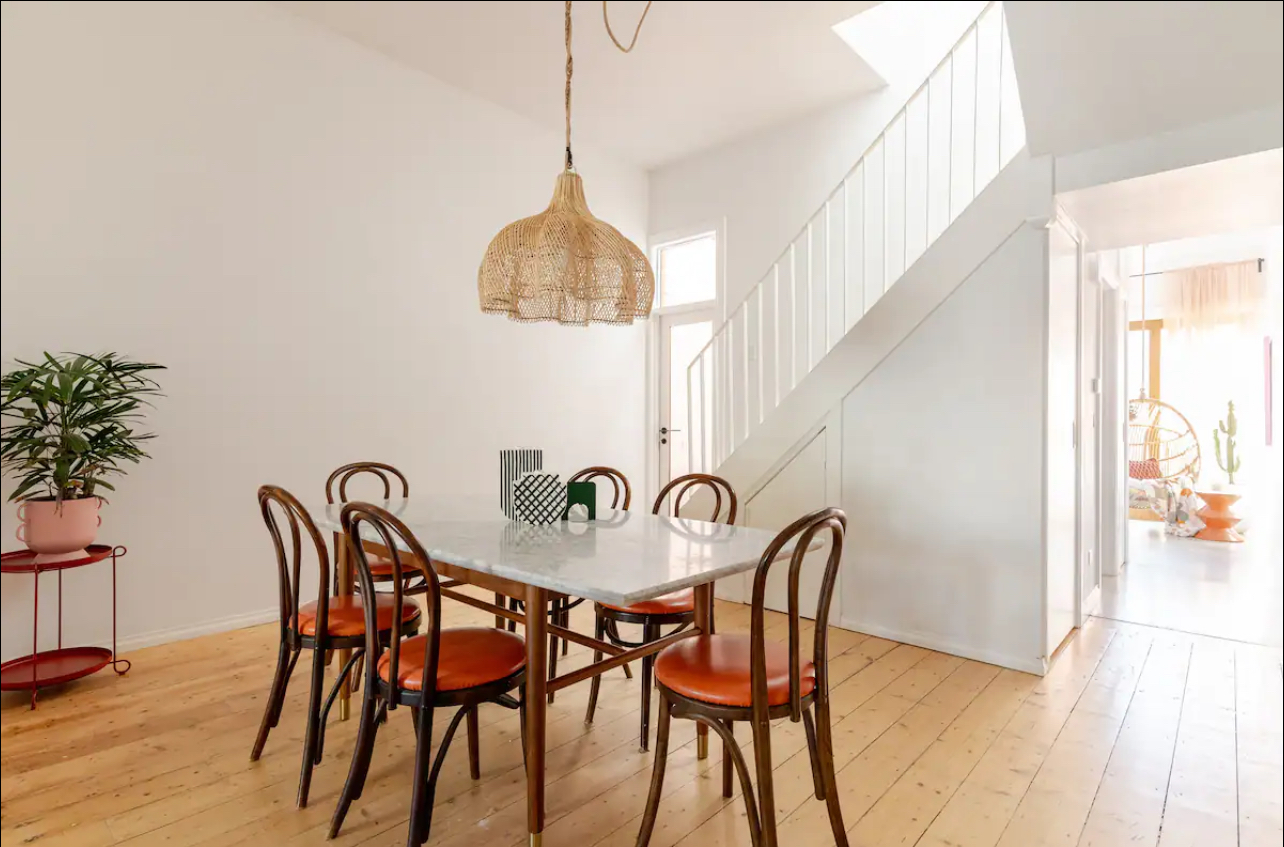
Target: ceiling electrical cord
x,y
607,20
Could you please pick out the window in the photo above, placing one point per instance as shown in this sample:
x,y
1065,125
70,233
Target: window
x,y
687,271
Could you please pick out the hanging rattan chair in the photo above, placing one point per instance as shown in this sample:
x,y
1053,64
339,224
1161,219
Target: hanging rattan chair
x,y
1162,444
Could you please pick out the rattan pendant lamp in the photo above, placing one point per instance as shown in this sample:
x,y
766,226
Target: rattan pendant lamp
x,y
564,264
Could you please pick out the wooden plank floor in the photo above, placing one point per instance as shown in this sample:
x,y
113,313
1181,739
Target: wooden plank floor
x,y
1138,736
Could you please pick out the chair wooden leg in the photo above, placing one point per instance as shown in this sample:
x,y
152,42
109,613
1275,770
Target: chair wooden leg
x,y
766,789
311,736
276,696
361,756
650,632
430,797
599,632
513,606
420,806
474,744
289,674
812,750
521,721
614,636
723,729
727,764
657,773
356,672
566,624
500,620
825,756
353,661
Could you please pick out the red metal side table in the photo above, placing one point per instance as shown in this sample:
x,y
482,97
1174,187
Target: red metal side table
x,y
54,667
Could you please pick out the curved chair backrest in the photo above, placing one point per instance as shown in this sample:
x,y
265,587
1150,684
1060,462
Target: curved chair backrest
x,y
619,483
801,533
695,482
388,531
280,507
385,473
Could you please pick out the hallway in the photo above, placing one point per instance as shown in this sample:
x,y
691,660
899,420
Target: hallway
x,y
1203,587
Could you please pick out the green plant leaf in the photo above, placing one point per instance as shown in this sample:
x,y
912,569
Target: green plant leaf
x,y
68,420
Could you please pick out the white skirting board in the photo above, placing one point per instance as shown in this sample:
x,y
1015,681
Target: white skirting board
x,y
182,633
1035,666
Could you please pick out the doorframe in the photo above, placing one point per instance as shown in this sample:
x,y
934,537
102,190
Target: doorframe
x,y
651,482
704,310
1087,606
1057,220
1114,373
1084,606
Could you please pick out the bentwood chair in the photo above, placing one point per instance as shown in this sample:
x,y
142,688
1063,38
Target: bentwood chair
x,y
718,680
668,609
328,623
380,568
559,611
443,668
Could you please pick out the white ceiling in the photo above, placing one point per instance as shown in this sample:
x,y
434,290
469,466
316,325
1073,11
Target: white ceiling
x,y
1095,73
703,72
1225,196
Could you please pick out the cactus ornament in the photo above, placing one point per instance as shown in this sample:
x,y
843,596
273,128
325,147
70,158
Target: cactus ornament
x,y
1229,428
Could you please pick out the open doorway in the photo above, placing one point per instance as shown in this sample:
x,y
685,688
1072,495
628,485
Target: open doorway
x,y
1191,384
1203,467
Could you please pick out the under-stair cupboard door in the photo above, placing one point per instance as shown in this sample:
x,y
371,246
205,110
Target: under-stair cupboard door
x,y
1089,458
808,480
1061,587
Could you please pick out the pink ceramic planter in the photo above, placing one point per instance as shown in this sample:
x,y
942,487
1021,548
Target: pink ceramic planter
x,y
58,532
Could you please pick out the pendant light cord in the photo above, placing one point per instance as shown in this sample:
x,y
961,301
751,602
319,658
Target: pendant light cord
x,y
607,20
570,63
570,69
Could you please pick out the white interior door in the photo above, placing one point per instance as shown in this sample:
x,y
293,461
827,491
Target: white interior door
x,y
1061,589
1089,458
1113,433
682,336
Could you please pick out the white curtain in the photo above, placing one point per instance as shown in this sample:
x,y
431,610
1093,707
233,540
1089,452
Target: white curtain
x,y
1215,321
1203,298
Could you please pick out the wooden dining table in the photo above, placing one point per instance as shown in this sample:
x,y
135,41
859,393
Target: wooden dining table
x,y
619,558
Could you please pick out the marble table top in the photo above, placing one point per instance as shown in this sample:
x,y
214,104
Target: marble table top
x,y
621,558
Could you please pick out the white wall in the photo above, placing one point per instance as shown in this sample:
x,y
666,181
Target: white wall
x,y
767,186
292,224
944,490
1102,73
1215,140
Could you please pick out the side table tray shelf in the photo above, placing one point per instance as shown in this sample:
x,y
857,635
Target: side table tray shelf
x,y
42,669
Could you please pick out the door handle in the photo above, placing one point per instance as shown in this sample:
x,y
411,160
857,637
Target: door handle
x,y
664,430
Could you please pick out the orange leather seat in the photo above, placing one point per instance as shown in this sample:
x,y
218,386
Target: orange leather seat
x,y
467,657
347,615
665,604
715,669
381,568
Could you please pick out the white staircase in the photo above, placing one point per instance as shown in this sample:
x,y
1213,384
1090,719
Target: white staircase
x,y
953,137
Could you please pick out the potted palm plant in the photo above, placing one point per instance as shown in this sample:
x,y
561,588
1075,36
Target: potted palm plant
x,y
68,423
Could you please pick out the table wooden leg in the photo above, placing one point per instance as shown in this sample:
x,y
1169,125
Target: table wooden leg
x,y
342,588
704,623
536,707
